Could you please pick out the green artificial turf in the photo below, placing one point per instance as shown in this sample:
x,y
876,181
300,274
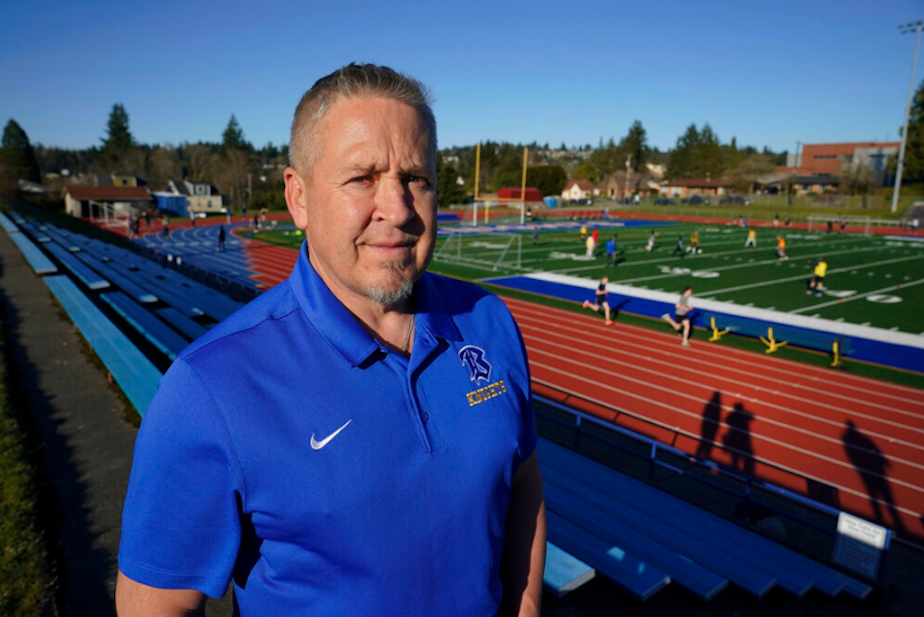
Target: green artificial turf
x,y
725,271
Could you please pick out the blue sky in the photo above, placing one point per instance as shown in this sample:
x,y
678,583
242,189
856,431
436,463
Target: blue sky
x,y
768,73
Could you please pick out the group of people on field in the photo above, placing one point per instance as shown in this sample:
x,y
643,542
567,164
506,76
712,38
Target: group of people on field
x,y
680,321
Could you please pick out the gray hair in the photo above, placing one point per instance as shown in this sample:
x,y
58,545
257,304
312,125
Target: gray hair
x,y
354,80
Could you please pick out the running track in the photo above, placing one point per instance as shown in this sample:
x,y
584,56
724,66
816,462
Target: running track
x,y
784,422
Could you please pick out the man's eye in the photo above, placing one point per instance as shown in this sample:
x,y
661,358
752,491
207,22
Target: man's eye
x,y
360,179
417,180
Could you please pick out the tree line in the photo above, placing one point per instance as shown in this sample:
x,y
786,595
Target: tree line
x,y
247,174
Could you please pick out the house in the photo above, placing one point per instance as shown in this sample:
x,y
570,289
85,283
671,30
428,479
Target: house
x,y
640,183
578,189
804,184
687,187
815,184
106,201
200,196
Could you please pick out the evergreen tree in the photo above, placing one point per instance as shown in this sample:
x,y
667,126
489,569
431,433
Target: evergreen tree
x,y
118,141
914,146
709,159
448,191
233,137
549,179
635,145
681,163
17,158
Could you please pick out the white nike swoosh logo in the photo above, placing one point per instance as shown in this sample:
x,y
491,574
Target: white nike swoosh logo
x,y
317,445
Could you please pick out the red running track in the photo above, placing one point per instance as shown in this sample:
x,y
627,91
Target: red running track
x,y
781,421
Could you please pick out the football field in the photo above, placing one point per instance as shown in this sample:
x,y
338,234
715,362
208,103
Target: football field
x,y
871,280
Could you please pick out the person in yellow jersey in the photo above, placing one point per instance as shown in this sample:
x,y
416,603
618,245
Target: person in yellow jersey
x,y
752,238
781,248
583,231
694,243
591,245
818,278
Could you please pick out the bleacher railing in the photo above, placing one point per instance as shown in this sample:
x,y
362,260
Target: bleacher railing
x,y
653,447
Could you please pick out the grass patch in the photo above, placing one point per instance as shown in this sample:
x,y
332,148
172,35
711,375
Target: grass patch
x,y
25,580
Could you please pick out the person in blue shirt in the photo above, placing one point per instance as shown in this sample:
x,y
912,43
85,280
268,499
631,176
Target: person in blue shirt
x,y
359,440
611,251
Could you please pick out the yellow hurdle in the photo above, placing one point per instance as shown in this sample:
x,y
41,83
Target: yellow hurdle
x,y
772,345
837,355
716,333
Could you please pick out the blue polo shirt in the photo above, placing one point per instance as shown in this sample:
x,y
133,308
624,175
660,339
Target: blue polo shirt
x,y
289,451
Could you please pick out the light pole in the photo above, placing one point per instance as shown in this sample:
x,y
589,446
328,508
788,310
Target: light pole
x,y
792,180
914,26
628,170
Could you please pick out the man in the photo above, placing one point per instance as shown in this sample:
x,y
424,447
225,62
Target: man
x,y
752,238
781,248
600,301
818,278
651,241
611,251
694,243
359,440
678,248
681,320
591,245
222,236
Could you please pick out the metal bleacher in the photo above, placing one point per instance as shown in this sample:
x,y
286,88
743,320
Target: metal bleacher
x,y
643,538
147,324
136,375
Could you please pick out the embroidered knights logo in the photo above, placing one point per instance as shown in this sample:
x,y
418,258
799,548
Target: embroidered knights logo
x,y
473,357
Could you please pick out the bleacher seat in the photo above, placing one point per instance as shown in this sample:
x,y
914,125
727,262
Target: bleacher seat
x,y
83,272
564,572
134,373
160,334
37,260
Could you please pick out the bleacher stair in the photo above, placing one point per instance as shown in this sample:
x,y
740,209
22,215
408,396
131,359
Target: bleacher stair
x,y
696,548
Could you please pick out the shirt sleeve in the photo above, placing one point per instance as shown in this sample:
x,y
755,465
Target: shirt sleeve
x,y
181,524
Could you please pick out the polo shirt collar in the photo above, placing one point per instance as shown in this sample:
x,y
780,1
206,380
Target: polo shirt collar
x,y
342,330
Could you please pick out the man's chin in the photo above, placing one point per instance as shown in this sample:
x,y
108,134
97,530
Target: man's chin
x,y
392,293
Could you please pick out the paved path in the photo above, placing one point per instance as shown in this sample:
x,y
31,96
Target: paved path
x,y
86,440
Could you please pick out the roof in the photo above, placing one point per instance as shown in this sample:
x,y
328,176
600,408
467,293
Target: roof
x,y
816,179
584,185
109,193
180,186
700,183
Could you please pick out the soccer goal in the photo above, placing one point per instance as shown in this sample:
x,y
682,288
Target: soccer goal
x,y
820,222
482,251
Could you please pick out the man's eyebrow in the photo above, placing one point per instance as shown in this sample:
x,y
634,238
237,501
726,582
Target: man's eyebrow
x,y
416,169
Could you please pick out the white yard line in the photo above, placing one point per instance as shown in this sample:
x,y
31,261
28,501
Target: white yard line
x,y
673,260
800,321
859,296
802,277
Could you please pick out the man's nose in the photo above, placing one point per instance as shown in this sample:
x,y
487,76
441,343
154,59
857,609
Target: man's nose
x,y
394,202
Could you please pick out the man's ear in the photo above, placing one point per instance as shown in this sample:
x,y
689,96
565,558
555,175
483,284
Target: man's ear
x,y
296,197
